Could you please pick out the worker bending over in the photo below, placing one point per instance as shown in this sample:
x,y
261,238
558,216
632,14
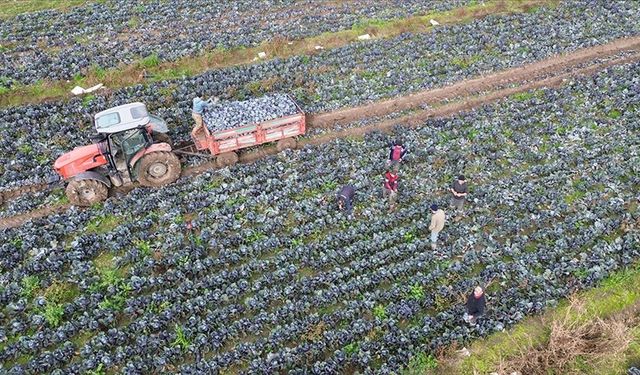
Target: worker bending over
x,y
476,304
345,198
397,152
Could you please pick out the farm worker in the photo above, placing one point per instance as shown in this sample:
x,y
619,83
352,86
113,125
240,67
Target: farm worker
x,y
476,304
459,192
391,187
345,198
436,225
397,153
199,106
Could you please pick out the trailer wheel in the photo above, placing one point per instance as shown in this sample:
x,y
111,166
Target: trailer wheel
x,y
158,168
286,144
227,159
86,192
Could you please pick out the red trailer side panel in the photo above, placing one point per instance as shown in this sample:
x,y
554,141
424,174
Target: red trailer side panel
x,y
251,135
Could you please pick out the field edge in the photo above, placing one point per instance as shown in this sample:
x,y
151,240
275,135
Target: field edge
x,y
614,296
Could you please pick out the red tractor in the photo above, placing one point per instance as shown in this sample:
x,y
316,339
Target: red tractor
x,y
131,146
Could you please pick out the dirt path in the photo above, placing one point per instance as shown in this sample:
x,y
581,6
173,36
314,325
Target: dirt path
x,y
9,194
468,103
18,220
444,102
474,86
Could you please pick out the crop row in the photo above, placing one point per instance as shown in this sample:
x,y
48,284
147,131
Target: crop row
x,y
346,76
61,45
271,278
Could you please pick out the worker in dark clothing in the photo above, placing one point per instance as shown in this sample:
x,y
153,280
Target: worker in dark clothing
x,y
459,193
390,187
476,304
345,198
397,152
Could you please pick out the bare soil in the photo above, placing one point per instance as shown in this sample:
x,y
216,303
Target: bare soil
x,y
463,103
18,220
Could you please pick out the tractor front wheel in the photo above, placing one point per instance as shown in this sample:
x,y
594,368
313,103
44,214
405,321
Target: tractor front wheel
x,y
86,192
158,169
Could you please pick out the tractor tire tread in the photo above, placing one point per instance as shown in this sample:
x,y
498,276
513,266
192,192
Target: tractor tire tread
x,y
73,188
173,168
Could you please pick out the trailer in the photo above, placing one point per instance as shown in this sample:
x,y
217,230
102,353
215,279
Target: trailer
x,y
225,144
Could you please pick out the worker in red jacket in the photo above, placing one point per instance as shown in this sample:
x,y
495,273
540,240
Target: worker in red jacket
x,y
397,152
390,187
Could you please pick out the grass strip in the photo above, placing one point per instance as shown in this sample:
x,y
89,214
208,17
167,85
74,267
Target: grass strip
x,y
615,295
158,70
12,8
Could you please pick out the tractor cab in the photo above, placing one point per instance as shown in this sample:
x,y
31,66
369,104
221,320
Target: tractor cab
x,y
125,131
126,117
122,148
131,146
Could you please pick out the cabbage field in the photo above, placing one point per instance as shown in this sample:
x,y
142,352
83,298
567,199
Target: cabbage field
x,y
252,269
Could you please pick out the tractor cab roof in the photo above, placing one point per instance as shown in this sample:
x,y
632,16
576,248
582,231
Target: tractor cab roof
x,y
121,118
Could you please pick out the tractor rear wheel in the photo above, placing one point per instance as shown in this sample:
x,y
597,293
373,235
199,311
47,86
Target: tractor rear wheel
x,y
226,159
86,192
286,144
158,168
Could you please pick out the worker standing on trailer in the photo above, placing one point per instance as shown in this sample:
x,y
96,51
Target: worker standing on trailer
x,y
199,106
397,153
390,187
345,198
